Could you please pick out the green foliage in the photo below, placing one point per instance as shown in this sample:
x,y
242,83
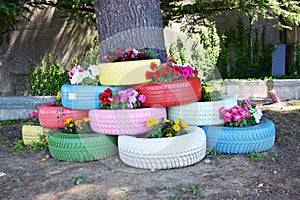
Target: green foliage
x,y
294,67
256,156
204,52
17,146
42,144
10,13
193,14
245,54
178,51
47,78
211,151
6,122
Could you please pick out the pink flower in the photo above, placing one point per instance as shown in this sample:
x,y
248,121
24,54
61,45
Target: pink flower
x,y
130,106
228,115
221,112
237,117
171,59
235,109
186,72
149,75
142,98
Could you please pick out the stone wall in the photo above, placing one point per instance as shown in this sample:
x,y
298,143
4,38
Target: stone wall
x,y
46,32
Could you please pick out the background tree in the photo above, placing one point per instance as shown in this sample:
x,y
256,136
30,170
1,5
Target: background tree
x,y
138,25
192,14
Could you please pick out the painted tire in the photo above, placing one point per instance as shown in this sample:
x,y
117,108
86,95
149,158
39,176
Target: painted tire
x,y
125,73
124,122
55,116
32,133
236,140
83,97
171,93
201,113
163,153
81,147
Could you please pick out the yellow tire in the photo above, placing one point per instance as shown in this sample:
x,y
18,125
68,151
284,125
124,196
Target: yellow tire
x,y
125,73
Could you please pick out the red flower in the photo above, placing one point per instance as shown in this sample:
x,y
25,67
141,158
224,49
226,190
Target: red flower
x,y
157,74
108,90
167,70
177,68
153,66
104,97
176,74
149,75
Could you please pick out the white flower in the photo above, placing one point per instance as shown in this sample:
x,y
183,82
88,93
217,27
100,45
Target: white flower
x,y
94,70
257,115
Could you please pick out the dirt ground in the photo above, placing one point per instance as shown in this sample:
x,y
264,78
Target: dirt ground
x,y
24,175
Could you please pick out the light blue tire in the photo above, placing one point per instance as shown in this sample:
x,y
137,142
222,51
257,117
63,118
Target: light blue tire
x,y
260,137
83,97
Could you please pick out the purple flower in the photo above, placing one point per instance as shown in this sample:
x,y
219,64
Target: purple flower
x,y
130,106
142,98
131,99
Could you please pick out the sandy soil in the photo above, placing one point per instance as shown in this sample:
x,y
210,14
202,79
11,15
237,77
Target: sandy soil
x,y
23,175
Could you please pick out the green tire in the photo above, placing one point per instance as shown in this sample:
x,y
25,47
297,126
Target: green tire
x,y
82,147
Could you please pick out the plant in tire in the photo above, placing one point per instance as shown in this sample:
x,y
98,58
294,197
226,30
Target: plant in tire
x,y
123,99
166,128
244,114
170,71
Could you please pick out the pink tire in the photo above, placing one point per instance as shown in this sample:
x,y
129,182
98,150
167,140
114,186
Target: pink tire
x,y
124,122
55,116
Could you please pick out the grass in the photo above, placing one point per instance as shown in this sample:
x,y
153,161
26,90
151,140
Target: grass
x,y
256,156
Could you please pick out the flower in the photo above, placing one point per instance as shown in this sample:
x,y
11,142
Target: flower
x,y
209,93
57,100
83,126
170,71
123,99
69,126
86,75
34,117
245,114
129,54
166,128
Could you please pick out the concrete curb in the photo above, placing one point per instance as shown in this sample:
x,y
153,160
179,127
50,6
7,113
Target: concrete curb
x,y
18,107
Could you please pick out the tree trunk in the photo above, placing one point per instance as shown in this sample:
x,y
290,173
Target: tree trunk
x,y
130,23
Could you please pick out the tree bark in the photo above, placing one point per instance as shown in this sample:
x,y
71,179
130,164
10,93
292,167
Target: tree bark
x,y
130,23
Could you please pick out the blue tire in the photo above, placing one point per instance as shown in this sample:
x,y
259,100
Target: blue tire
x,y
236,140
83,97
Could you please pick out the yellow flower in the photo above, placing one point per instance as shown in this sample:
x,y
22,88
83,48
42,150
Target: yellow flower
x,y
71,125
86,119
152,122
44,159
58,95
69,120
167,120
169,135
176,127
78,122
177,122
185,125
209,89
